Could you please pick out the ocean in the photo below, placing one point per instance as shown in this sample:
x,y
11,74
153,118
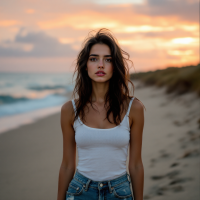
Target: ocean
x,y
25,97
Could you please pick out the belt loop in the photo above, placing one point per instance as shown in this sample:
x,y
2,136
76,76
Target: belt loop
x,y
87,184
109,185
75,172
129,177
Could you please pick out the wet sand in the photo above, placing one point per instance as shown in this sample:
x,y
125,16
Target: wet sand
x,y
31,154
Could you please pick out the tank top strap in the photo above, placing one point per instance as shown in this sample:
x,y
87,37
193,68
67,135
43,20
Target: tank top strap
x,y
125,122
74,105
129,107
77,122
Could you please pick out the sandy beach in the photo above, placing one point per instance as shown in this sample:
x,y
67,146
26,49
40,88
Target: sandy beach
x,y
31,154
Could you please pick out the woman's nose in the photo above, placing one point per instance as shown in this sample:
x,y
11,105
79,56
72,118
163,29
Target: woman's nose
x,y
100,63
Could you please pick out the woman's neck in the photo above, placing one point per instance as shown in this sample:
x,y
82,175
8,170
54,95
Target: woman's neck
x,y
99,91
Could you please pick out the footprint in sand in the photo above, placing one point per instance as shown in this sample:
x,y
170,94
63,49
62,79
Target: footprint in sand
x,y
170,183
190,153
174,164
170,175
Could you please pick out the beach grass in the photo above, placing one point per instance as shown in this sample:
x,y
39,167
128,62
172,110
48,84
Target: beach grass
x,y
179,80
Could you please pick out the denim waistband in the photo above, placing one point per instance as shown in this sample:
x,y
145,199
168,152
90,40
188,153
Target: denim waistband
x,y
101,184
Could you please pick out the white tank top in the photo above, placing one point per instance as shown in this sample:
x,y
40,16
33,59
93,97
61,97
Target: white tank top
x,y
102,153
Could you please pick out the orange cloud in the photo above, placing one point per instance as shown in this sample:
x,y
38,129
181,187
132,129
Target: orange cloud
x,y
30,11
5,23
83,20
187,40
180,53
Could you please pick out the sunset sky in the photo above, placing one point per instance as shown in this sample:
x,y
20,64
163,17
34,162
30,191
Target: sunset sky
x,y
46,35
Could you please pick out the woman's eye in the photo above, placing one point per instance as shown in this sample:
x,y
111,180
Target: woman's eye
x,y
93,59
108,60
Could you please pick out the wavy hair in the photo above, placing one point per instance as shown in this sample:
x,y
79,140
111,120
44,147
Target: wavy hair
x,y
118,91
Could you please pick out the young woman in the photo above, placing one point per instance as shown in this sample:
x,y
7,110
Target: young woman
x,y
103,122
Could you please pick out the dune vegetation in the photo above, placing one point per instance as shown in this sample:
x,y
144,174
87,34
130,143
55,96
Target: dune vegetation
x,y
179,80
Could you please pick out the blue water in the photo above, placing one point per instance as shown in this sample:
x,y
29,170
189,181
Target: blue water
x,y
25,92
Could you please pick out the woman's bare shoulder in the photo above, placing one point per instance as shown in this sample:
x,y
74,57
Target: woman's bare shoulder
x,y
67,112
137,107
136,112
67,107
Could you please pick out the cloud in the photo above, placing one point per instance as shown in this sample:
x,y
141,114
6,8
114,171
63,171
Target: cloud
x,y
30,11
4,23
166,35
119,1
184,9
147,31
35,44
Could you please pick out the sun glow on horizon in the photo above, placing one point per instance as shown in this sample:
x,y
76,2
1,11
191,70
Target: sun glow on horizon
x,y
180,53
147,28
186,40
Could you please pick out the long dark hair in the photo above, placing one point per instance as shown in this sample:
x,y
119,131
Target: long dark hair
x,y
118,85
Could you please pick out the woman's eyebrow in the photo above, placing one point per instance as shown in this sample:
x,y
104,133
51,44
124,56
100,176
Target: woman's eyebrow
x,y
98,55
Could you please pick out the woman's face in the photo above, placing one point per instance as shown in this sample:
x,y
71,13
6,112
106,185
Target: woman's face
x,y
100,60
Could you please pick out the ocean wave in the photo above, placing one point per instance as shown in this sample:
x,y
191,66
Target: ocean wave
x,y
46,87
31,104
4,99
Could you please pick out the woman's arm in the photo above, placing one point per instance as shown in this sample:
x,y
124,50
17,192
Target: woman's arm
x,y
136,169
68,165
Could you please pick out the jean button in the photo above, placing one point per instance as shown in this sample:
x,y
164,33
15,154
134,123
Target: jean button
x,y
101,185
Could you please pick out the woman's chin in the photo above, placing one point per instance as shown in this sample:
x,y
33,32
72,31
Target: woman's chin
x,y
100,80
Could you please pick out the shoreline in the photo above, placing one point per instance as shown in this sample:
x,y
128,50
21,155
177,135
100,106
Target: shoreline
x,y
11,122
31,154
26,118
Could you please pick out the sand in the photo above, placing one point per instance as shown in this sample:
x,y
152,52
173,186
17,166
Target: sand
x,y
31,155
171,145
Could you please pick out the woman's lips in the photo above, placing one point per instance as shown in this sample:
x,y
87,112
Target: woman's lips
x,y
100,74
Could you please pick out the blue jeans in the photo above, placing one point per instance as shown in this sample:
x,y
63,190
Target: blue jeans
x,y
83,188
